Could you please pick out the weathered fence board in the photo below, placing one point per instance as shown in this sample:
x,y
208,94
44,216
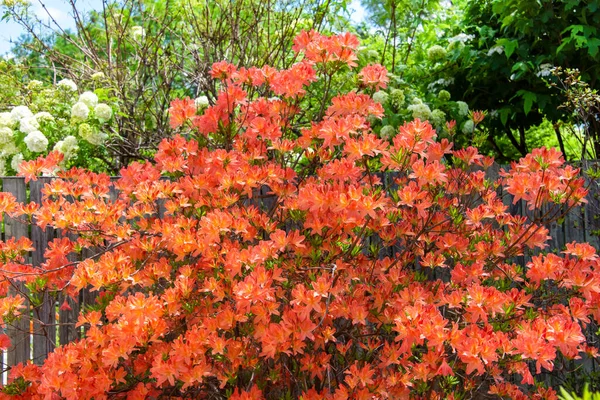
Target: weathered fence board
x,y
19,332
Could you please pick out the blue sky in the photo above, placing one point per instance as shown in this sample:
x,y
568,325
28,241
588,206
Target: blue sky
x,y
61,12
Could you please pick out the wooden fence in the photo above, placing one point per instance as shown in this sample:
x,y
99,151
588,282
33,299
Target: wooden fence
x,y
43,328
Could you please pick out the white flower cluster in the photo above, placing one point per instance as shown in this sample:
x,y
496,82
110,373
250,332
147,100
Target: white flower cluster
x,y
440,83
468,127
89,99
29,124
461,38
380,97
92,135
545,70
79,112
420,111
67,84
20,112
495,50
436,53
67,146
103,112
36,142
438,118
56,110
463,108
16,161
387,132
5,119
201,103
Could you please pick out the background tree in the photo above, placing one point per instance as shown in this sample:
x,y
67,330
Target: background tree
x,y
150,52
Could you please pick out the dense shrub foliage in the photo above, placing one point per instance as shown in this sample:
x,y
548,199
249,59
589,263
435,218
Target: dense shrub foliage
x,y
309,260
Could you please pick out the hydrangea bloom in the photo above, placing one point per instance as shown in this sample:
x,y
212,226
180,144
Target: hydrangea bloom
x,y
67,146
201,102
436,53
6,119
36,142
97,76
6,135
444,95
44,116
34,84
468,127
80,111
8,149
420,111
380,97
463,108
29,124
103,112
387,132
89,99
67,84
90,135
16,160
20,112
397,98
438,118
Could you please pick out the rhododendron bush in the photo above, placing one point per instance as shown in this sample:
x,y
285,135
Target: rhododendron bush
x,y
307,260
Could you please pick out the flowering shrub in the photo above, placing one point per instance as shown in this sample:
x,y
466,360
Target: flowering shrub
x,y
54,118
331,285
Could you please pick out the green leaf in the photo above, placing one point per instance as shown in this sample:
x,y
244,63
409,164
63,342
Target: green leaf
x,y
528,99
509,46
592,45
504,112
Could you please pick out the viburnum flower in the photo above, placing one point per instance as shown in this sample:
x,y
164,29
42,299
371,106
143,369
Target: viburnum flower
x,y
103,112
201,103
468,127
397,98
16,161
68,146
6,135
6,119
387,132
380,97
68,85
374,76
8,149
92,135
463,108
420,111
29,124
80,111
20,112
436,53
90,99
444,95
36,141
44,116
438,118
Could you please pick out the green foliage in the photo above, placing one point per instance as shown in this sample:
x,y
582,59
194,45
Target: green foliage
x,y
587,395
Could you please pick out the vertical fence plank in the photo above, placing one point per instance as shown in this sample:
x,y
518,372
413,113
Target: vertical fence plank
x,y
44,328
19,331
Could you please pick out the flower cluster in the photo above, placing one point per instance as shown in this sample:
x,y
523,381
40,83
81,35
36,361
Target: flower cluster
x,y
331,284
56,118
